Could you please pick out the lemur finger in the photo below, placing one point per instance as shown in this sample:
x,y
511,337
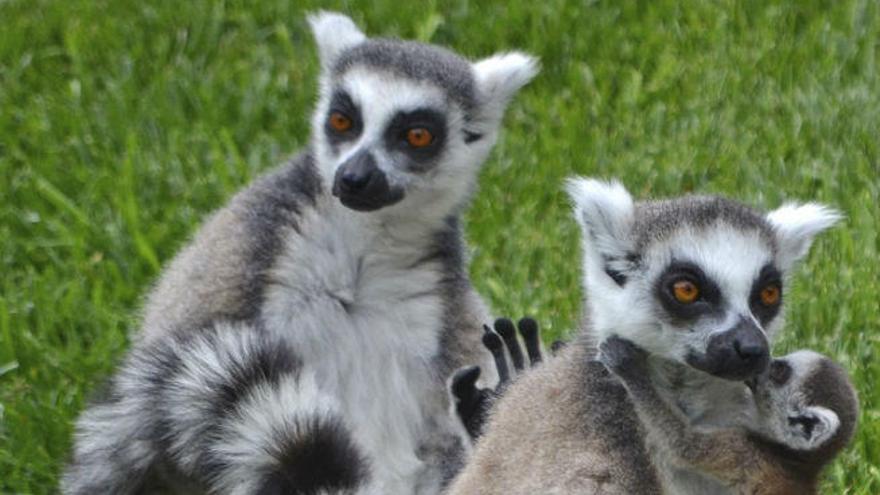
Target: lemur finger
x,y
493,342
505,328
528,328
464,384
557,346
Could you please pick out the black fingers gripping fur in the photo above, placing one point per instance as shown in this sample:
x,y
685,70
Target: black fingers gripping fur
x,y
473,404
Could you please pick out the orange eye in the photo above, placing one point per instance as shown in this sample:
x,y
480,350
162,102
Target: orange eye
x,y
339,122
770,295
419,137
685,291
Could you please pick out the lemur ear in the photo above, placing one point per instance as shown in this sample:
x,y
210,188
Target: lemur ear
x,y
810,429
499,78
796,226
333,33
604,211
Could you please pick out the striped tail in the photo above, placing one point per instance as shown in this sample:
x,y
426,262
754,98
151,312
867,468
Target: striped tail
x,y
228,408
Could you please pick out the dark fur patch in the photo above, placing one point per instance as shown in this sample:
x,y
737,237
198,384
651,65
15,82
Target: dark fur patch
x,y
769,275
829,386
708,300
268,365
321,457
271,203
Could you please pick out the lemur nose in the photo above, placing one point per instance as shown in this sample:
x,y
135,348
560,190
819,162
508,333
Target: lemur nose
x,y
355,180
357,173
749,351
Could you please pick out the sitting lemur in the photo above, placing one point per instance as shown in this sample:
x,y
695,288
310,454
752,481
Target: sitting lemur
x,y
302,342
698,283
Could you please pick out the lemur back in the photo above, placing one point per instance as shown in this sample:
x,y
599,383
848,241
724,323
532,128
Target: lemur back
x,y
301,343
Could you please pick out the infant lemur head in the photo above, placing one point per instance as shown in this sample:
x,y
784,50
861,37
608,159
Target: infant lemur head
x,y
403,126
806,402
696,280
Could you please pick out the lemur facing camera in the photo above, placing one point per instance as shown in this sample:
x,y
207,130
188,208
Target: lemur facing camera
x,y
807,413
695,281
303,340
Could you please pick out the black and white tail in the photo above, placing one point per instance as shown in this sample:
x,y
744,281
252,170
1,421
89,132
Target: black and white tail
x,y
226,407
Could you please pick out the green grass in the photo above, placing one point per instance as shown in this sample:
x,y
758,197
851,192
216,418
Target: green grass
x,y
123,123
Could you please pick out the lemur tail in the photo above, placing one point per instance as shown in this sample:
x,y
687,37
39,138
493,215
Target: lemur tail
x,y
227,407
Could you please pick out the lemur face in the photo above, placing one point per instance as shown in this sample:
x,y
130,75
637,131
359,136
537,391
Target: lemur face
x,y
715,293
697,280
402,126
386,137
805,400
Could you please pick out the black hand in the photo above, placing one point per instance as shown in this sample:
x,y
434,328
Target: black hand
x,y
472,404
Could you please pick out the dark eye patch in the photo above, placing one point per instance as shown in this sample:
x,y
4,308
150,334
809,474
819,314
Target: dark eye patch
x,y
341,102
769,275
707,302
396,136
780,372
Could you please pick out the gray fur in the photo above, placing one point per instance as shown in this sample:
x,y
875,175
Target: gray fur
x,y
298,345
563,427
417,61
656,220
221,274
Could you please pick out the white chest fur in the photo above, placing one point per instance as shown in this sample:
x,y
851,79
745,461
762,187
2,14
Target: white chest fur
x,y
364,315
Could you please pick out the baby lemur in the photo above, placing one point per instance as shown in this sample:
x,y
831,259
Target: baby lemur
x,y
807,412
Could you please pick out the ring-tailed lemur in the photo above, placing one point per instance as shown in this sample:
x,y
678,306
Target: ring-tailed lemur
x,y
697,281
303,340
807,413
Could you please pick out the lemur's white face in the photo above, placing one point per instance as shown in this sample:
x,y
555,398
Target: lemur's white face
x,y
710,296
404,139
694,280
401,128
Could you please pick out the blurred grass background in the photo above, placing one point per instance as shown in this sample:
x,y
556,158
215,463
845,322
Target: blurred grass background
x,y
123,123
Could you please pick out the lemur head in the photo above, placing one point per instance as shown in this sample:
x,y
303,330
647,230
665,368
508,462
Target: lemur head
x,y
402,126
697,280
807,403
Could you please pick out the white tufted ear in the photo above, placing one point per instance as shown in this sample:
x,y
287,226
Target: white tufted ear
x,y
333,33
499,78
604,211
796,226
